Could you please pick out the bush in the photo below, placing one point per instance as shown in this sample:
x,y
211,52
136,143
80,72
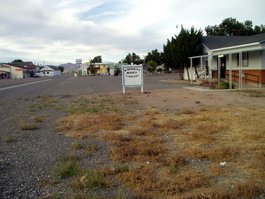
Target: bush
x,y
223,85
214,84
151,66
117,71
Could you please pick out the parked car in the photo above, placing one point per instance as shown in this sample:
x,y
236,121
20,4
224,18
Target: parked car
x,y
36,75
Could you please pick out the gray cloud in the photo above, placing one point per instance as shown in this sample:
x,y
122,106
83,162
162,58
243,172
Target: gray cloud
x,y
63,30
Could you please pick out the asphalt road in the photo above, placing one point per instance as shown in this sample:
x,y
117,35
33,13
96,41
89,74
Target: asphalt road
x,y
73,86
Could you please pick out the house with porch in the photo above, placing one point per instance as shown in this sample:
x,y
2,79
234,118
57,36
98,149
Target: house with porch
x,y
238,59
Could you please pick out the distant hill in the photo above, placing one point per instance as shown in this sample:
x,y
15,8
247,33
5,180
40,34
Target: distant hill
x,y
69,67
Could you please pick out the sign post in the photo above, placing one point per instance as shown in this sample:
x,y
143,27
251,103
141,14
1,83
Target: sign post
x,y
132,76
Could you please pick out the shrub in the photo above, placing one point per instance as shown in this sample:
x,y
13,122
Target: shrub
x,y
151,66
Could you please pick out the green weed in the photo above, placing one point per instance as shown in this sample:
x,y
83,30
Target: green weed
x,y
66,167
90,180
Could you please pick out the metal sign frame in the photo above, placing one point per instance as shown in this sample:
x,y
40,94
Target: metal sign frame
x,y
132,76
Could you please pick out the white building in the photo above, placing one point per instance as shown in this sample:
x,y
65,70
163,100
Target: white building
x,y
9,71
50,71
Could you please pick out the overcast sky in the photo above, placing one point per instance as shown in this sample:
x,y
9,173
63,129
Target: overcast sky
x,y
60,31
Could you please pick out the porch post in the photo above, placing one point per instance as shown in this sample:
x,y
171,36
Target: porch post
x,y
230,71
219,69
240,72
191,70
201,63
210,66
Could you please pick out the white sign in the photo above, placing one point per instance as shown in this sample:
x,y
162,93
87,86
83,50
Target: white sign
x,y
132,76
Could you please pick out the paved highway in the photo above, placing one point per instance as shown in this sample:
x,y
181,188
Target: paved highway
x,y
68,85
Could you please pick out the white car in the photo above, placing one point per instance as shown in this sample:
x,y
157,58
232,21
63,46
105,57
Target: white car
x,y
37,75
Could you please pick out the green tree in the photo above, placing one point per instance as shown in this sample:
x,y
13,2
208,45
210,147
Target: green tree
x,y
181,47
133,58
232,27
168,54
17,60
259,29
61,68
151,66
155,56
97,59
92,69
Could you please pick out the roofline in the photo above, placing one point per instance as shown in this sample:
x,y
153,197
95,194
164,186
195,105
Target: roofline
x,y
232,47
206,46
200,56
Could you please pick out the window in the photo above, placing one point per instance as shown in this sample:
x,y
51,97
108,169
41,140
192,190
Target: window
x,y
245,58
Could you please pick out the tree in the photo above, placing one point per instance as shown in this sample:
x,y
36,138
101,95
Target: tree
x,y
155,56
133,58
181,47
97,59
17,60
61,68
151,66
259,29
92,69
232,27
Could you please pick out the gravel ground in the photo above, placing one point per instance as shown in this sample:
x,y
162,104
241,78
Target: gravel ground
x,y
27,162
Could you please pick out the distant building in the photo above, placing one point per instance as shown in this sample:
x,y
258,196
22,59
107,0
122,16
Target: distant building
x,y
105,68
78,61
10,72
50,71
28,68
83,69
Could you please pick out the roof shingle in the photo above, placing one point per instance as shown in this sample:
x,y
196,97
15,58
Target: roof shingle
x,y
215,42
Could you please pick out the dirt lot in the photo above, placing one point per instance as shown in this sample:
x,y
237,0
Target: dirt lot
x,y
175,143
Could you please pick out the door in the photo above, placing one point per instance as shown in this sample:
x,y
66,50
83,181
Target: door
x,y
223,67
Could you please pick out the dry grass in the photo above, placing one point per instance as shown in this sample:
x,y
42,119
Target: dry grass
x,y
179,155
129,148
28,126
89,180
9,139
77,145
91,149
91,123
